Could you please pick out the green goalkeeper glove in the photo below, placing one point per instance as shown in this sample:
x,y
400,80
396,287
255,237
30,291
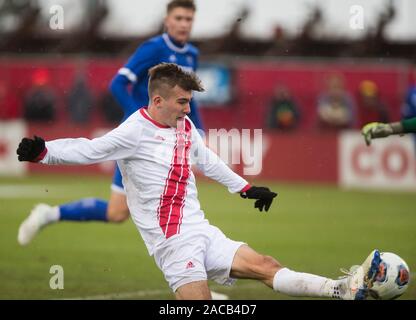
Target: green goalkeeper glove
x,y
375,130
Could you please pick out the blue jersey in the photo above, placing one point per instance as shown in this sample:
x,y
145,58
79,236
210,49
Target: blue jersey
x,y
135,73
409,108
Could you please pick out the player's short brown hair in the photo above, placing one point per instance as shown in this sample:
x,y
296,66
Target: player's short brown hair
x,y
188,4
165,76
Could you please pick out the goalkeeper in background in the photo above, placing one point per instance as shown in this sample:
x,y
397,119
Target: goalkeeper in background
x,y
375,130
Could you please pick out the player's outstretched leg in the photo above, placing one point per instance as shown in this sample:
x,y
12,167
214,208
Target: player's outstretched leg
x,y
248,264
89,209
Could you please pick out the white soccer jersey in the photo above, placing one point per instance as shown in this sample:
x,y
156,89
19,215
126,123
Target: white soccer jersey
x,y
155,163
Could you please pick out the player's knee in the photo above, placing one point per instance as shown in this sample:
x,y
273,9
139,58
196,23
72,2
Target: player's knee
x,y
197,290
272,263
117,210
266,265
117,216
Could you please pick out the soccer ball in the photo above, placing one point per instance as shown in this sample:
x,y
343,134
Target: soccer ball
x,y
392,278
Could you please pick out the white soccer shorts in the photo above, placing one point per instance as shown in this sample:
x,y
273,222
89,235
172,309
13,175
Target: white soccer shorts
x,y
204,253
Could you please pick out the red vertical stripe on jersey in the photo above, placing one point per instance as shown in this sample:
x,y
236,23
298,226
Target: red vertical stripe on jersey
x,y
172,200
188,167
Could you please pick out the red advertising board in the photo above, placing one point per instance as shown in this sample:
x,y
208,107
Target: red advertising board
x,y
341,159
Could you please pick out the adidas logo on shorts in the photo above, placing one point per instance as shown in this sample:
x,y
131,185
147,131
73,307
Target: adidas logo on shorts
x,y
190,265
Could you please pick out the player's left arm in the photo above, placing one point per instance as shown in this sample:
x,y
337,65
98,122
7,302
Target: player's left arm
x,y
213,167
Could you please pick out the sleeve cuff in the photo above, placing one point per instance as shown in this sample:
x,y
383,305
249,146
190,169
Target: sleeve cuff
x,y
248,186
41,156
128,74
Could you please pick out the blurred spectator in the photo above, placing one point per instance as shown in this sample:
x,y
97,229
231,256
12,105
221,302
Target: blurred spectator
x,y
370,106
335,108
9,103
39,102
283,112
280,44
111,110
80,101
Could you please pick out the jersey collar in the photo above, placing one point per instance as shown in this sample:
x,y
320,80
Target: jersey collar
x,y
173,46
146,115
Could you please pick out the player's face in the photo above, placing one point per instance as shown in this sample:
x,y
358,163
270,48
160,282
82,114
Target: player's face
x,y
176,106
179,22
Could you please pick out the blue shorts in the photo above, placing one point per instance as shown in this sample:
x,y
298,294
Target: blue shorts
x,y
117,184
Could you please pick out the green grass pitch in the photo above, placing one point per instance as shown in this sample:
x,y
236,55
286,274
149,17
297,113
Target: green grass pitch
x,y
309,228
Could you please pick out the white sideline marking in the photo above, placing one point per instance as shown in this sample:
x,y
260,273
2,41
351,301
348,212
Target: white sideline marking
x,y
148,293
143,293
122,295
219,296
13,191
22,191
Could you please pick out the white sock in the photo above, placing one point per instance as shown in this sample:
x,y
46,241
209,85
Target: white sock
x,y
300,284
52,215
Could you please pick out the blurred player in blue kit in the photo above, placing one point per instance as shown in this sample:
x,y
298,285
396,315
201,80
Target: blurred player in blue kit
x,y
130,88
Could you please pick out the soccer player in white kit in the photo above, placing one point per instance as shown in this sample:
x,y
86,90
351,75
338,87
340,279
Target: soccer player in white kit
x,y
154,149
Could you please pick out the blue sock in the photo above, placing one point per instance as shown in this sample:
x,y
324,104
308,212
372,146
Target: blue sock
x,y
84,210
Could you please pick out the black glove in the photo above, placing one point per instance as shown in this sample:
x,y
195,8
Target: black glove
x,y
30,149
263,195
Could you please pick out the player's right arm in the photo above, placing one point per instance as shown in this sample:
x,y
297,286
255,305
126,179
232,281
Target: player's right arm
x,y
376,130
146,56
213,167
120,143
